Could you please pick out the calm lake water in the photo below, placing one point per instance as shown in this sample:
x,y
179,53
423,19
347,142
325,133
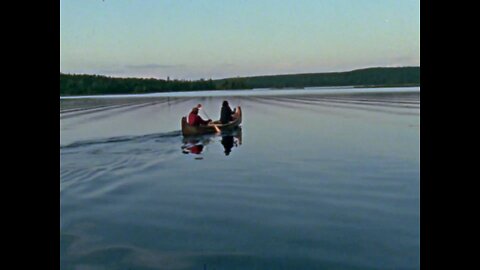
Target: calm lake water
x,y
312,180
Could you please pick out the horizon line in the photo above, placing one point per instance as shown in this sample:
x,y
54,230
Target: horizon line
x,y
235,77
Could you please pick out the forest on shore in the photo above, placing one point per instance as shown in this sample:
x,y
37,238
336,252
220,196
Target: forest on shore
x,y
81,84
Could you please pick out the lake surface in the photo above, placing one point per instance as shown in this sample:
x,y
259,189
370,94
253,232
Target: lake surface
x,y
317,179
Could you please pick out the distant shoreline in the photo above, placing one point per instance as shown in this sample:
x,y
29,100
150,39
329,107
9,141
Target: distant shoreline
x,y
75,84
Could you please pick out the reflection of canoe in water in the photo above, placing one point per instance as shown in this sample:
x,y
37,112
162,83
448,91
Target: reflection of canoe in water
x,y
188,130
197,143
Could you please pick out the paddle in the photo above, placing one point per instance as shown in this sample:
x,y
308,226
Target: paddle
x,y
199,106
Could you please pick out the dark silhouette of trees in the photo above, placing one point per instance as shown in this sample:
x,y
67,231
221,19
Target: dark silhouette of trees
x,y
73,84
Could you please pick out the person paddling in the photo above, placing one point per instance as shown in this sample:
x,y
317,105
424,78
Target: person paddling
x,y
226,113
195,120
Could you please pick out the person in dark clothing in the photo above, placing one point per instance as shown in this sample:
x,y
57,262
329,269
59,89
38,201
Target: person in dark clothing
x,y
195,120
226,113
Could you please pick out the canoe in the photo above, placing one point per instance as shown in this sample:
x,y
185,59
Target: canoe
x,y
188,130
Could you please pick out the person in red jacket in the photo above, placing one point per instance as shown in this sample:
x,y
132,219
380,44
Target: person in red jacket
x,y
195,120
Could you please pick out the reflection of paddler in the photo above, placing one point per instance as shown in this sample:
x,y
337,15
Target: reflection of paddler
x,y
227,142
196,149
192,146
192,149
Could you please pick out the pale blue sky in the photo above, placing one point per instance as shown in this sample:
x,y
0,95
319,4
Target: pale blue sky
x,y
192,39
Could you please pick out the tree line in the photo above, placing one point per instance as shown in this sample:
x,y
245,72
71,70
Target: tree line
x,y
75,84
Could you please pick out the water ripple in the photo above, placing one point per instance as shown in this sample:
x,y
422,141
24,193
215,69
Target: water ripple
x,y
176,133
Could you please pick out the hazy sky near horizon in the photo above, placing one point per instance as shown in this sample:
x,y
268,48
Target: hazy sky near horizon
x,y
192,39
